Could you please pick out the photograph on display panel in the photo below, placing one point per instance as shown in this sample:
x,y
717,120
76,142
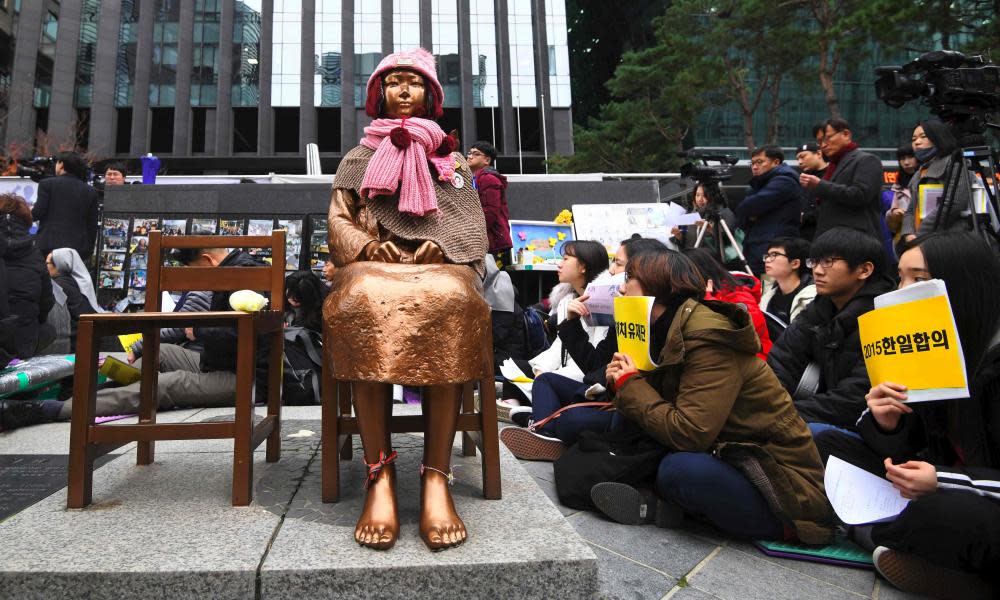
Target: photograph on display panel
x,y
293,242
231,227
174,226
203,226
539,241
144,226
111,280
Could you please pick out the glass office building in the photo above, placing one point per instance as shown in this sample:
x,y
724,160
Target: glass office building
x,y
215,86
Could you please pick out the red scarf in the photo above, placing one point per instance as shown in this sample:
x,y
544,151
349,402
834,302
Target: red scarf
x,y
836,158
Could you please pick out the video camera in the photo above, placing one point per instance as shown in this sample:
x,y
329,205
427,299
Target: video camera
x,y
38,168
958,88
705,172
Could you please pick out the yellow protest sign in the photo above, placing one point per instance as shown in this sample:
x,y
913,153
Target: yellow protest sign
x,y
914,343
632,329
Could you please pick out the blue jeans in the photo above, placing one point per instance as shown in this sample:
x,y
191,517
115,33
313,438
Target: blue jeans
x,y
704,485
550,392
818,428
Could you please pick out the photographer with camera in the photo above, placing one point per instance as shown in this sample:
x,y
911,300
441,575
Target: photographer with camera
x,y
64,202
773,208
849,194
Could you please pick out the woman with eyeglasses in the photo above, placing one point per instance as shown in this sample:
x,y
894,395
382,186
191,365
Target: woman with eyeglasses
x,y
721,413
944,456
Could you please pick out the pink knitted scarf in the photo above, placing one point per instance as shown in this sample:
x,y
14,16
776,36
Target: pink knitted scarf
x,y
403,148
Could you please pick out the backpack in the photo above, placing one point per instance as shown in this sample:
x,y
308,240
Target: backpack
x,y
302,367
535,338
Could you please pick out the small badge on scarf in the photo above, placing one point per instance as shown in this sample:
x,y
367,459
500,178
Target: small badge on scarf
x,y
458,181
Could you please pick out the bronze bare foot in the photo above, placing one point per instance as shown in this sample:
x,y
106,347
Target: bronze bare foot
x,y
440,525
378,525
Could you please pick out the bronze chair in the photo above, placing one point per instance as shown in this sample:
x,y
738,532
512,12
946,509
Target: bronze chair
x,y
478,426
88,440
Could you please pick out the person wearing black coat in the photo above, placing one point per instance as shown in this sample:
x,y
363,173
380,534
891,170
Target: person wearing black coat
x,y
849,193
848,271
29,294
66,209
773,208
220,343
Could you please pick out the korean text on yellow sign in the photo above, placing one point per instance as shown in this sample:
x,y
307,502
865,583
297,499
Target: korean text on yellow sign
x,y
913,344
633,330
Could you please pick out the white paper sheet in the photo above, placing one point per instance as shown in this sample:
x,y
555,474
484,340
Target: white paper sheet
x,y
512,373
858,497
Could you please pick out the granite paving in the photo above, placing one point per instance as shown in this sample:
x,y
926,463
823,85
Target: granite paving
x,y
693,562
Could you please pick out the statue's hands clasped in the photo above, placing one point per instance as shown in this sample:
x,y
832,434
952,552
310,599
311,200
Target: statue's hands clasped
x,y
428,253
386,252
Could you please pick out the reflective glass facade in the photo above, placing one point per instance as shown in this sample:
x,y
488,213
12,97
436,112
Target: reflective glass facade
x,y
482,21
86,54
46,60
367,44
245,55
128,38
166,31
405,25
205,53
444,28
286,53
328,79
522,53
555,35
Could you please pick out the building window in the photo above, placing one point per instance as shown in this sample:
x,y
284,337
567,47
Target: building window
x,y
444,28
128,38
328,74
555,34
367,45
163,75
245,89
204,53
45,62
405,25
83,94
286,53
522,53
482,19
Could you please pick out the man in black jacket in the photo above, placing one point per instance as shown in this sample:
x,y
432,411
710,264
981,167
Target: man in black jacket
x,y
772,208
66,209
848,272
849,193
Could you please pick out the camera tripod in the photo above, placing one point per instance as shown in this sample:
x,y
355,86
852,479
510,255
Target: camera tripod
x,y
979,160
713,217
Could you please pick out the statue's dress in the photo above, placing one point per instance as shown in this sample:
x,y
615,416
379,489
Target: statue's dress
x,y
406,323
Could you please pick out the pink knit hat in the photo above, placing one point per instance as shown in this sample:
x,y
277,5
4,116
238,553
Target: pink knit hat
x,y
417,60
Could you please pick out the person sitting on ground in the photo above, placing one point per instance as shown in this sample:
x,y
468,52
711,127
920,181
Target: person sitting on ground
x,y
187,378
687,236
582,262
738,288
715,406
943,456
788,287
29,294
328,270
772,207
506,315
67,269
305,293
847,267
934,145
552,392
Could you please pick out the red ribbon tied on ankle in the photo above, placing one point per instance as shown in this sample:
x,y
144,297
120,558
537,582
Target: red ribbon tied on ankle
x,y
376,467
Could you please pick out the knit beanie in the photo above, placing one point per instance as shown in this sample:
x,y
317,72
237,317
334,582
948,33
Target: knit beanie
x,y
419,61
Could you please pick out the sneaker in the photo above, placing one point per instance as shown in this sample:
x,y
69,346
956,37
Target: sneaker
x,y
528,445
20,413
631,506
914,574
521,415
504,407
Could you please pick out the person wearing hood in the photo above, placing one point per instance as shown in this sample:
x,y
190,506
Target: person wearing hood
x,y
720,412
772,208
68,271
737,288
492,188
942,456
29,289
848,271
934,145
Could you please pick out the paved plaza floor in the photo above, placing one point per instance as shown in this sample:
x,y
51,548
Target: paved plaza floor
x,y
692,562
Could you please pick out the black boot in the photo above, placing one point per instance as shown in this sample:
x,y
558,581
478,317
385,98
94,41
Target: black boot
x,y
20,413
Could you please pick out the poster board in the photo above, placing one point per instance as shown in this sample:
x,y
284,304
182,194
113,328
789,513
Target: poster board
x,y
609,224
541,241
